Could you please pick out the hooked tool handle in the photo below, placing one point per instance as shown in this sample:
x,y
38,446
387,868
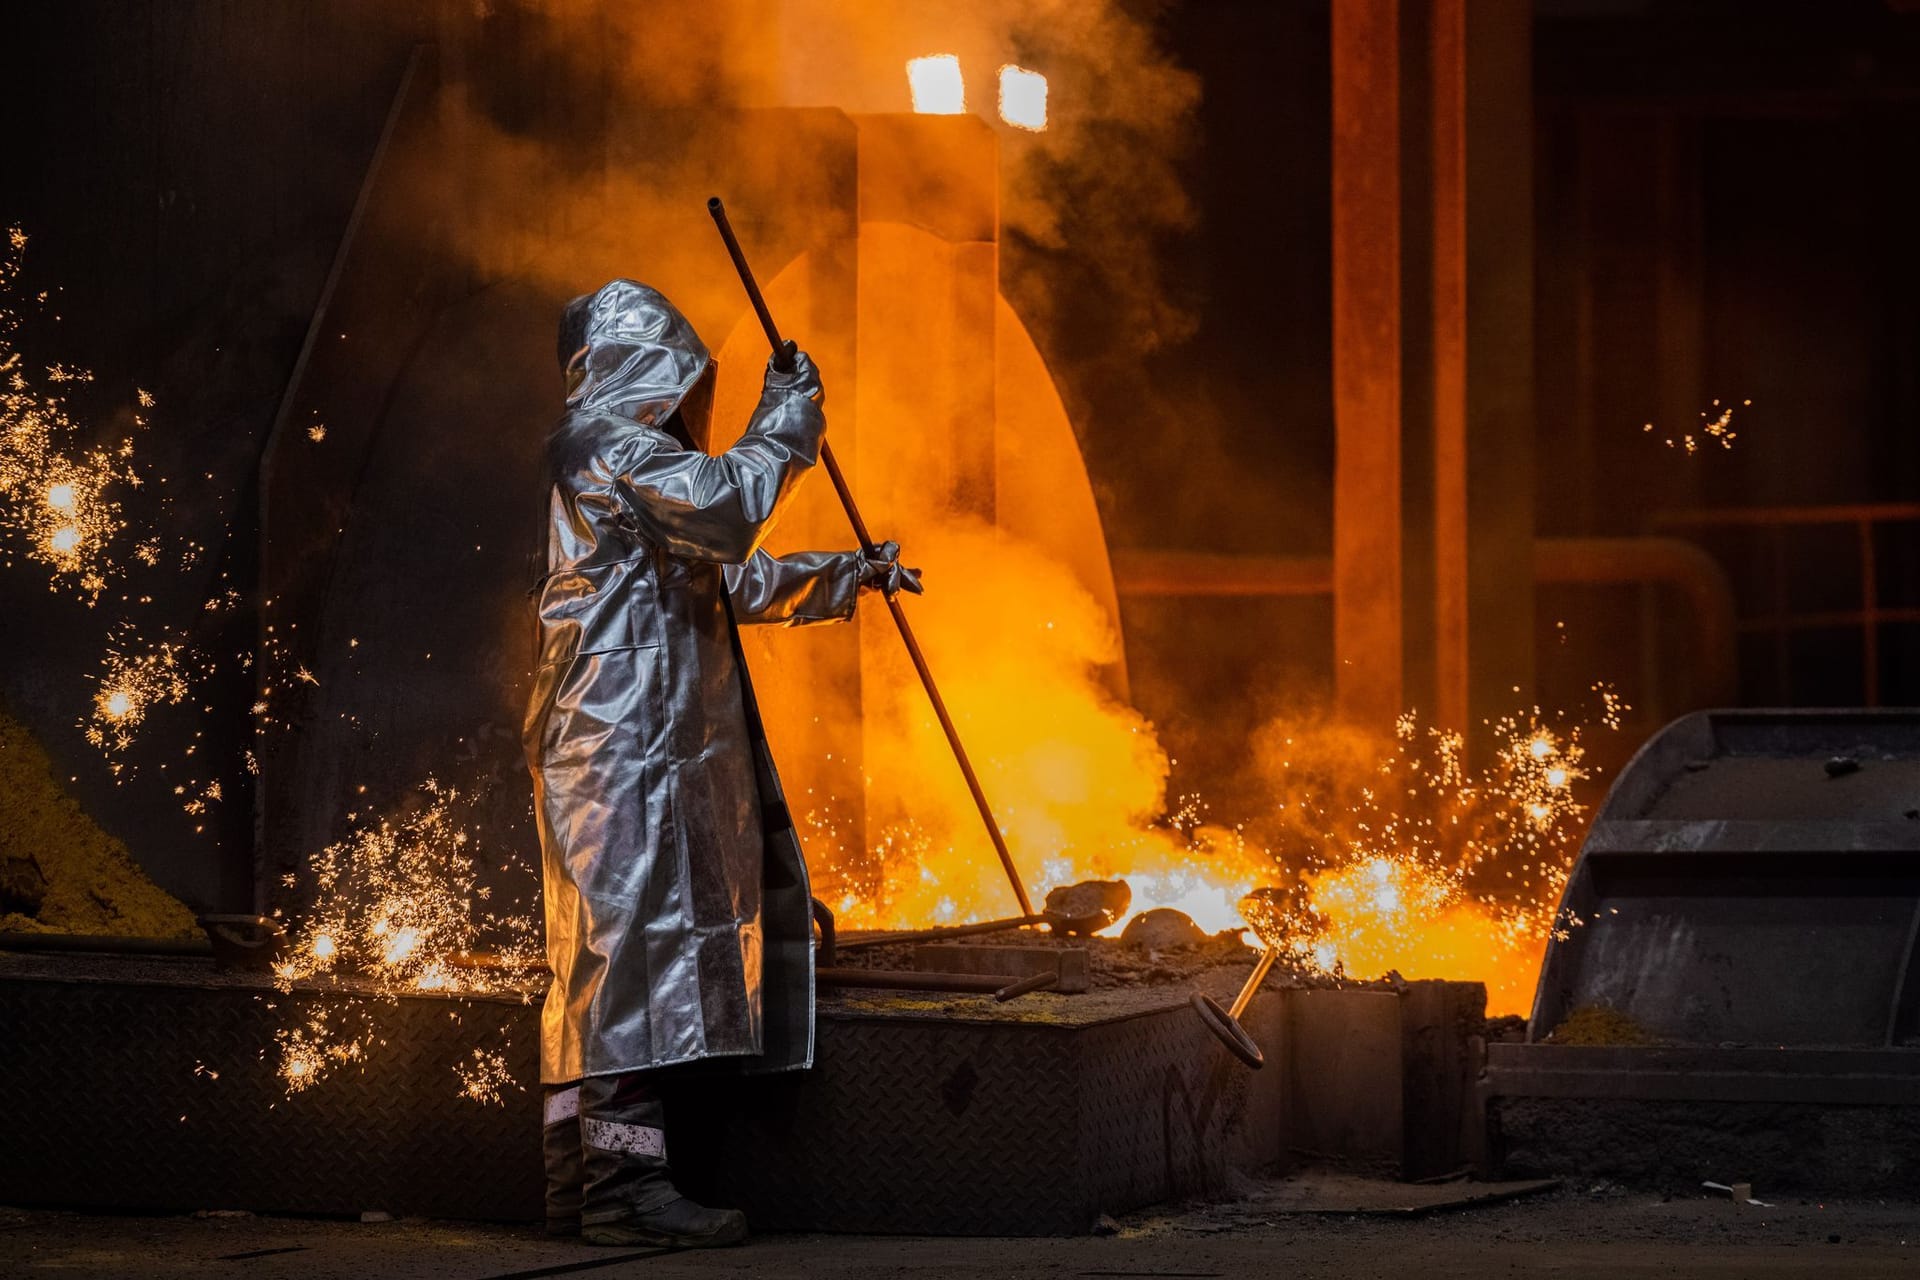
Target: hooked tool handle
x,y
783,352
1225,1023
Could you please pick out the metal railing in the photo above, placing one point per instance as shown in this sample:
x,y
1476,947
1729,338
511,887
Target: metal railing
x,y
1648,561
1779,620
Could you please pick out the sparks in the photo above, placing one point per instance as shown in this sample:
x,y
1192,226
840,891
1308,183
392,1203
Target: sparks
x,y
58,503
135,678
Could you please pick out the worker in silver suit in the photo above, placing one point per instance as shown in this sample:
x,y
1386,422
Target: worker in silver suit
x,y
677,906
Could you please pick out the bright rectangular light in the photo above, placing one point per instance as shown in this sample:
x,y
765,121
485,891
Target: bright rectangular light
x,y
1023,98
938,88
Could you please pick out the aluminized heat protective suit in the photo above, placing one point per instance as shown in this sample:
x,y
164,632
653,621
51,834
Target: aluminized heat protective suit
x,y
677,906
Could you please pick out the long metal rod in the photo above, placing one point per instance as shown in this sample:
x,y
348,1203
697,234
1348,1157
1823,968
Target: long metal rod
x,y
1254,979
937,932
783,360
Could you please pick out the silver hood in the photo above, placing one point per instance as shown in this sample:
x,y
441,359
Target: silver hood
x,y
635,355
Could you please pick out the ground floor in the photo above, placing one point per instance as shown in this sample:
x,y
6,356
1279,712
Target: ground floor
x,y
1303,1226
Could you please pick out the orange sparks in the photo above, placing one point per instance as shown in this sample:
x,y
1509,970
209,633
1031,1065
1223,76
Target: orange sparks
x,y
485,1077
135,679
57,497
1714,429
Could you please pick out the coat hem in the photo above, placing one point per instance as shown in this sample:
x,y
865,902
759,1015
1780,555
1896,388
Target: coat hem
x,y
731,1056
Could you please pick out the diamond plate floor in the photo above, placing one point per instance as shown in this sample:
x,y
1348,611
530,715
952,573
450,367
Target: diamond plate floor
x,y
152,1084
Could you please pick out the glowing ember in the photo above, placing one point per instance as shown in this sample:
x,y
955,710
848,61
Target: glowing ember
x,y
485,1077
1717,429
1427,866
133,681
937,86
57,503
1394,852
403,944
393,900
396,907
309,1052
1023,98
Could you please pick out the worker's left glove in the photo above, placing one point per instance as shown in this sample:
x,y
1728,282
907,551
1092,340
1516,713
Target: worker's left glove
x,y
802,379
881,570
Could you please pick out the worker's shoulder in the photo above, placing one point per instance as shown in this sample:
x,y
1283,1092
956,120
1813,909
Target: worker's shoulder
x,y
594,439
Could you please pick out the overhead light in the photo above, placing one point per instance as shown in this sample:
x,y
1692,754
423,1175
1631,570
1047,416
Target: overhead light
x,y
1023,98
937,86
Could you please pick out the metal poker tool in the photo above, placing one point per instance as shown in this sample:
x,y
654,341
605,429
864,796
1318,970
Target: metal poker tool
x,y
1257,909
783,352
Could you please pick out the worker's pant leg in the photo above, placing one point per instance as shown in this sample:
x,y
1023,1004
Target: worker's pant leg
x,y
560,1144
624,1148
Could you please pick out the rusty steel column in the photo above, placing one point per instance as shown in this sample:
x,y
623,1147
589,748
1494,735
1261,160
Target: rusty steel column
x,y
1366,360
1496,462
1481,223
1447,70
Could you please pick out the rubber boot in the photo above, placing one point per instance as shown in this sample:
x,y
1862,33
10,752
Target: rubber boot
x,y
560,1144
630,1197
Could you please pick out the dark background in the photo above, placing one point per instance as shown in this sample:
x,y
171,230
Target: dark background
x,y
1726,204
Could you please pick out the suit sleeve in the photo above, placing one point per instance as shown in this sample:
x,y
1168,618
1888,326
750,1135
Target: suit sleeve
x,y
796,590
700,507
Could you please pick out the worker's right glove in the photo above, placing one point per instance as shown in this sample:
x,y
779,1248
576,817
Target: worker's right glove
x,y
802,379
881,570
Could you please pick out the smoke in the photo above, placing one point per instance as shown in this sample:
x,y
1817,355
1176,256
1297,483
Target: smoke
x,y
1077,779
579,137
577,132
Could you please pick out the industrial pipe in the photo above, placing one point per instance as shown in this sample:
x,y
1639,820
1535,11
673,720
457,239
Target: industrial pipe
x,y
1672,562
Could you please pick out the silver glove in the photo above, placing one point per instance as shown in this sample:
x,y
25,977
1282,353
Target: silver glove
x,y
881,570
803,379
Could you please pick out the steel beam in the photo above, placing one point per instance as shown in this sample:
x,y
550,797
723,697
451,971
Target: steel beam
x,y
1366,359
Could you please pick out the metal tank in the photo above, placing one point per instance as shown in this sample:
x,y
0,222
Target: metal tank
x,y
1731,990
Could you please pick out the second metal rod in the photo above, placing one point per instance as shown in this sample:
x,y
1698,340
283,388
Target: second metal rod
x,y
783,360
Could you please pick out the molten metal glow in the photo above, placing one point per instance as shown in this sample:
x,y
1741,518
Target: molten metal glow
x,y
1023,98
937,86
1402,854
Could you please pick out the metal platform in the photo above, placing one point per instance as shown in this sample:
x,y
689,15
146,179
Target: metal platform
x,y
152,1084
